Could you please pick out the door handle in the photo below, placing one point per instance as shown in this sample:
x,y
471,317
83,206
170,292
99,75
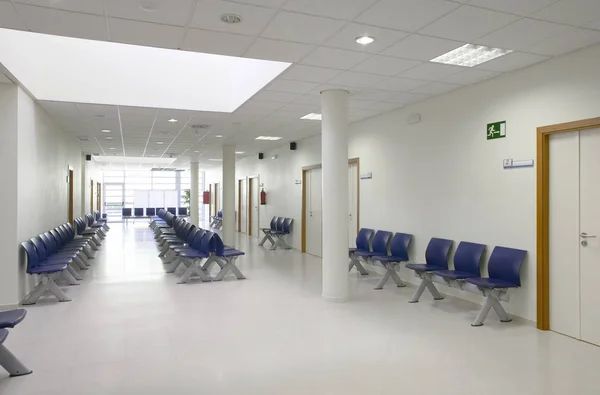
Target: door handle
x,y
586,236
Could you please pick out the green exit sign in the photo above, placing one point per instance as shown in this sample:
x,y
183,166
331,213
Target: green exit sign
x,y
496,130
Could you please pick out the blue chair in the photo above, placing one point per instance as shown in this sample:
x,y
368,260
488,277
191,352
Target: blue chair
x,y
150,212
363,244
267,232
399,253
73,256
48,272
380,248
182,211
172,257
201,248
10,319
126,213
504,272
467,261
436,256
138,212
284,228
172,210
229,257
101,220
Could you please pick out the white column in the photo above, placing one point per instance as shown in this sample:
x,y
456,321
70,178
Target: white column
x,y
194,192
228,183
334,108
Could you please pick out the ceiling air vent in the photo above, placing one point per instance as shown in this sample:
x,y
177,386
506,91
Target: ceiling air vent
x,y
83,138
163,169
231,18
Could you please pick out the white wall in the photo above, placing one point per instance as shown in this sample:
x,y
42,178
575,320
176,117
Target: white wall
x,y
441,177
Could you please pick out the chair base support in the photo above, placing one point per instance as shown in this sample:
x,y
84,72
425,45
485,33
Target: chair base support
x,y
12,364
229,266
265,238
47,284
425,283
390,272
355,262
492,301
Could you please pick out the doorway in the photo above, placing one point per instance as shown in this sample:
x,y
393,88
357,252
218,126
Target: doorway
x,y
71,193
92,196
242,206
253,206
98,196
217,205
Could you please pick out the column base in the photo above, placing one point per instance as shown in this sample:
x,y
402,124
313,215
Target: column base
x,y
335,299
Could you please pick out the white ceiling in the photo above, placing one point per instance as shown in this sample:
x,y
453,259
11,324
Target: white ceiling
x,y
318,37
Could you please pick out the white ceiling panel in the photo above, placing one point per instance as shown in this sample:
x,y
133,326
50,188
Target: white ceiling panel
x,y
385,65
572,39
346,38
357,80
512,61
399,84
357,115
330,86
263,3
470,76
216,42
468,23
432,71
144,33
406,15
571,12
284,51
435,88
312,100
9,18
308,29
522,34
421,47
338,9
519,7
407,98
334,58
310,73
63,23
208,16
171,12
374,95
272,96
291,86
594,25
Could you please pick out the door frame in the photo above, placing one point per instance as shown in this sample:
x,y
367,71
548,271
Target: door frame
x,y
71,194
216,198
91,196
241,181
305,170
543,211
250,196
98,195
209,201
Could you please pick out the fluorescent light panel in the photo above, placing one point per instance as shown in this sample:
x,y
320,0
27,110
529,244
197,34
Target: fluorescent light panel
x,y
268,138
470,55
313,117
99,72
132,160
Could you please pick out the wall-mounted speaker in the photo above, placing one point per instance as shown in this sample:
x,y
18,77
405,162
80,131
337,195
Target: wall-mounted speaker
x,y
88,157
293,146
261,155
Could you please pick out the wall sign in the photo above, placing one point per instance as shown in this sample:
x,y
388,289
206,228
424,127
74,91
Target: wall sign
x,y
496,130
366,176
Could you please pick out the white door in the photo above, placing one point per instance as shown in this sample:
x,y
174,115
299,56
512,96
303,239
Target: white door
x,y
314,242
244,206
574,236
255,205
352,203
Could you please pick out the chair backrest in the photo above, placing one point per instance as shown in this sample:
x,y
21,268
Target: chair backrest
x,y
31,253
57,238
280,222
49,242
41,249
138,212
97,214
182,211
381,240
150,212
219,247
467,257
126,212
205,242
220,214
169,217
363,239
437,252
505,264
287,225
90,219
193,234
80,225
274,222
172,210
399,245
161,212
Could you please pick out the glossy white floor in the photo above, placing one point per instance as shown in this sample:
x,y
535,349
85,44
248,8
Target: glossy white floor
x,y
131,329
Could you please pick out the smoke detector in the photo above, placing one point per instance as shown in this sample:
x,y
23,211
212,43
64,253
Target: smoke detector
x,y
83,138
231,18
149,5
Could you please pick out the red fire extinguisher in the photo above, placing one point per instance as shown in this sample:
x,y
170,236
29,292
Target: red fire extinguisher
x,y
263,197
206,197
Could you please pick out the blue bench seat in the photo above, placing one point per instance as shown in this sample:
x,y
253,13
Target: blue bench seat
x,y
364,254
436,258
398,254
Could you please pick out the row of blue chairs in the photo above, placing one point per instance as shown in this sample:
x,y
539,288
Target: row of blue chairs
x,y
279,228
197,249
149,212
503,267
216,221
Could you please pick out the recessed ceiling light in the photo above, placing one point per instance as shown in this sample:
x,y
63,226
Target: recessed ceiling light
x,y
217,160
159,142
172,120
470,55
83,138
219,136
269,138
312,117
149,5
100,116
196,151
231,18
112,148
105,131
152,155
240,152
364,40
109,138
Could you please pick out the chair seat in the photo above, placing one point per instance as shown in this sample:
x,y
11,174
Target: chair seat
x,y
368,253
57,260
3,335
490,283
51,268
423,268
193,254
230,253
389,258
454,274
61,256
96,225
9,319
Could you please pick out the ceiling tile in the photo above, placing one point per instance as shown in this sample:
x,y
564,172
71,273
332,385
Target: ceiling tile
x,y
519,7
332,86
385,65
85,6
435,88
357,115
334,58
291,86
338,9
307,108
406,15
310,73
216,42
470,76
302,28
432,71
346,38
263,3
283,51
144,33
63,23
421,47
358,80
407,98
594,25
572,39
312,100
512,61
571,12
522,34
208,16
399,84
171,12
468,23
373,94
9,19
279,97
